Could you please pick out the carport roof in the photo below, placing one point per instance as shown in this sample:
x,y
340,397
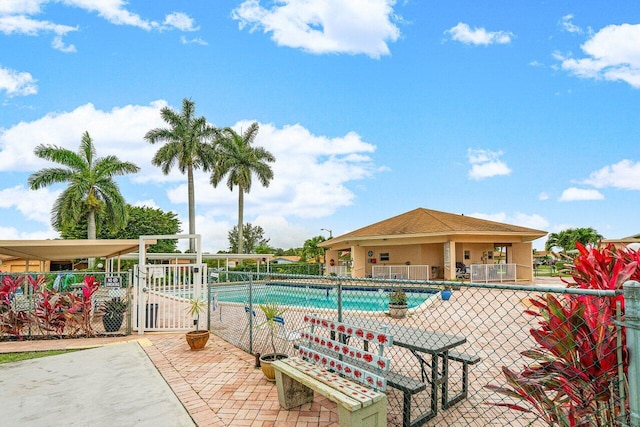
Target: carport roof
x,y
62,250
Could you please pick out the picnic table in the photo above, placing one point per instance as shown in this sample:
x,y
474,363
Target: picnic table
x,y
423,343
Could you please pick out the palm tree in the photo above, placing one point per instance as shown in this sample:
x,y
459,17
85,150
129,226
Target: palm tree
x,y
186,144
236,158
566,239
91,189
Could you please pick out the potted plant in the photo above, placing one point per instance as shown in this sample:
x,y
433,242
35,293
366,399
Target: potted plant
x,y
113,314
197,339
445,294
271,311
397,304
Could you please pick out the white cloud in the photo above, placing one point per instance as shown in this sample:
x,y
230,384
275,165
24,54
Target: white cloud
x,y
149,203
21,24
624,174
534,221
17,82
113,11
16,18
58,44
311,174
12,233
486,164
33,205
478,36
573,194
8,7
196,40
325,26
119,131
613,53
569,26
543,196
180,21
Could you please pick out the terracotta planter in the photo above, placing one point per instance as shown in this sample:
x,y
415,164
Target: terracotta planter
x,y
398,311
197,339
265,364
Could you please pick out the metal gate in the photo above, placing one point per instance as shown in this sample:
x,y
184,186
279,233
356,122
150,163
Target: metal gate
x,y
162,293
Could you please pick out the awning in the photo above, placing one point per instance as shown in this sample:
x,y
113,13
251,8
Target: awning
x,y
64,250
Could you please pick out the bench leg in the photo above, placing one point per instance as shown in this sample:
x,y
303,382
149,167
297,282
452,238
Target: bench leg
x,y
292,393
374,415
447,403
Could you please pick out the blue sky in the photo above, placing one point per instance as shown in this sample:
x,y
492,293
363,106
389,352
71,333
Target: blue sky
x,y
520,112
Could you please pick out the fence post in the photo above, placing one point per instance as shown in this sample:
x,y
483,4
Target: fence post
x,y
632,323
250,313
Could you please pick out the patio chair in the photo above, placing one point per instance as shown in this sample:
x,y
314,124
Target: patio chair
x,y
462,271
283,334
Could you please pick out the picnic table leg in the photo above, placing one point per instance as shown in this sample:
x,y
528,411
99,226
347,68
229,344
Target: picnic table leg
x,y
445,379
435,382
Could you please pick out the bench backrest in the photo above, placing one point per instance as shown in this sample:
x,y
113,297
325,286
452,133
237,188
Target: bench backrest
x,y
359,364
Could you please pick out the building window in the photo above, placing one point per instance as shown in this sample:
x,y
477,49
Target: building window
x,y
467,255
384,256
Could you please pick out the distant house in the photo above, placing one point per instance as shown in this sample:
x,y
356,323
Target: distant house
x,y
438,239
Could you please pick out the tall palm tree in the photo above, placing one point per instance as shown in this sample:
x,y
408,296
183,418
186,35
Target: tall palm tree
x,y
91,189
186,144
238,160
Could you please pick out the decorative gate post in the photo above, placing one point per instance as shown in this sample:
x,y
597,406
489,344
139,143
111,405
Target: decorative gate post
x,y
632,323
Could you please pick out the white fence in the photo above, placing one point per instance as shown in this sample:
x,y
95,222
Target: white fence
x,y
405,272
338,270
493,273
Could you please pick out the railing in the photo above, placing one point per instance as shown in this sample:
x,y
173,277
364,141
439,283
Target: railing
x,y
338,270
406,272
493,273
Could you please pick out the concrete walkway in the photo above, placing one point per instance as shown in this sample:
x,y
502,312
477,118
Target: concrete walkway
x,y
114,385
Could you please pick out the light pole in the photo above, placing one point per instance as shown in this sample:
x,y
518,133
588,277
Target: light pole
x,y
329,231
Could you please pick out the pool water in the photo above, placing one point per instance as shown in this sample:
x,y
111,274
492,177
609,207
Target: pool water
x,y
352,299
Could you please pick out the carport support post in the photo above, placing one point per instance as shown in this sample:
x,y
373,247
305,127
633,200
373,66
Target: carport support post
x,y
632,323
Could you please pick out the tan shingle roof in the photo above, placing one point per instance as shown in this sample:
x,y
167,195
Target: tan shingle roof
x,y
429,222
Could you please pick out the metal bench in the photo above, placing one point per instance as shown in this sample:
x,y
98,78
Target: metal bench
x,y
352,377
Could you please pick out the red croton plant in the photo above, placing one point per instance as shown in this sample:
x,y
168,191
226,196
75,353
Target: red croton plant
x,y
573,377
52,312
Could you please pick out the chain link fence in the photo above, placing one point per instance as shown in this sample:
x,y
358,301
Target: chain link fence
x,y
64,305
483,355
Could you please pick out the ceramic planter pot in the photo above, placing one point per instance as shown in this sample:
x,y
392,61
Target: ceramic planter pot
x,y
265,364
112,322
445,294
397,311
197,339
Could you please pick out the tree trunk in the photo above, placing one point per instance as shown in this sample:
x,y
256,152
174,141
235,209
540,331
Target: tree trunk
x,y
192,208
91,234
240,215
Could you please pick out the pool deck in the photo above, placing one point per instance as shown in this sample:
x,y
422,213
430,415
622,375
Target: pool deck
x,y
219,386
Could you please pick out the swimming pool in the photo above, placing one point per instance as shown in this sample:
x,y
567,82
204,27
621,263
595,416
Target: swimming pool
x,y
370,299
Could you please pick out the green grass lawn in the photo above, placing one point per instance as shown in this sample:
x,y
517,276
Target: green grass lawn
x,y
15,357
